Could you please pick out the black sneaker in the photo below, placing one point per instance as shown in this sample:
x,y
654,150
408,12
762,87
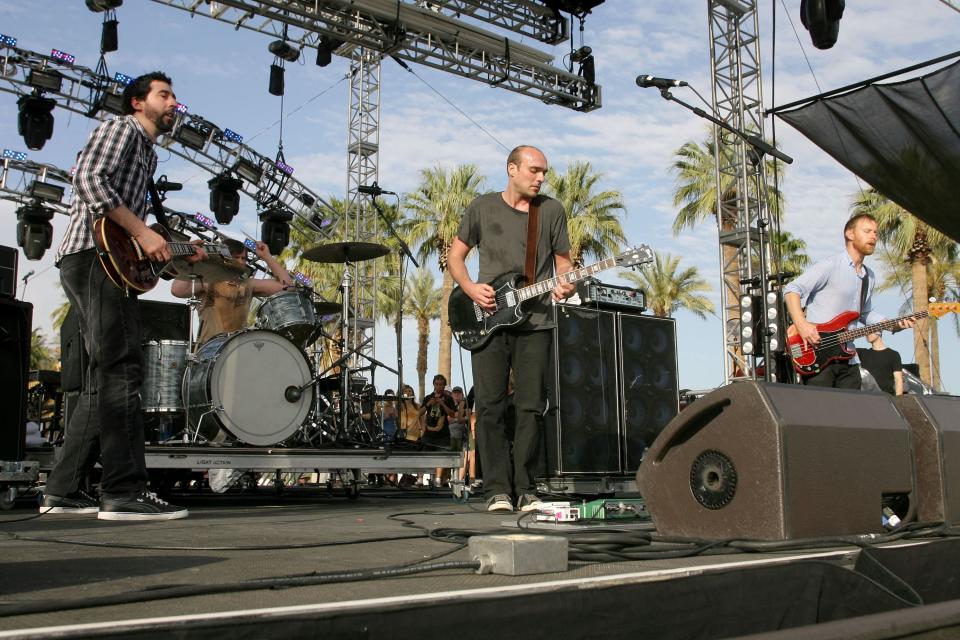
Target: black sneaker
x,y
78,502
529,502
141,506
500,502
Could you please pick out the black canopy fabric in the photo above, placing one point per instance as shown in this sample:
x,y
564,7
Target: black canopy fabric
x,y
903,138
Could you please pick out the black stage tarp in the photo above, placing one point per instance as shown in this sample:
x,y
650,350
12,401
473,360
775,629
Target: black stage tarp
x,y
903,138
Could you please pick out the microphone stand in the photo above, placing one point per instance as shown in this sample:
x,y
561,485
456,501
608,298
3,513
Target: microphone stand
x,y
399,328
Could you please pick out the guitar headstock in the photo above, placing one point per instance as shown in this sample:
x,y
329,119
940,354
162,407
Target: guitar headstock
x,y
636,256
939,309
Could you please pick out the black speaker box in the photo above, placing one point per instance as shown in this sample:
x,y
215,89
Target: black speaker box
x,y
935,433
16,319
582,426
774,462
650,396
8,272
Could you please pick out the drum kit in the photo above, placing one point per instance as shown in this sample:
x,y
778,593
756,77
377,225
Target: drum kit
x,y
259,386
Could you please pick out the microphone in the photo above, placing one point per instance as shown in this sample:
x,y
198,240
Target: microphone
x,y
27,275
659,83
373,190
163,185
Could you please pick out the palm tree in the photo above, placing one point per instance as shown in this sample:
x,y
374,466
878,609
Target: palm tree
x,y
42,355
593,219
668,290
792,251
422,303
915,241
436,207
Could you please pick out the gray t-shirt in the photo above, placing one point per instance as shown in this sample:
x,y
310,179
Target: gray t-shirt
x,y
500,232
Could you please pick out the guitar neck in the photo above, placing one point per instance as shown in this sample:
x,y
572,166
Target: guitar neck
x,y
889,325
546,286
178,249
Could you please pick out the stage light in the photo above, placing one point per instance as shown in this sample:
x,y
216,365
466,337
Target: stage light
x,y
275,87
822,19
123,78
284,50
98,6
45,79
275,230
248,170
283,166
63,56
306,198
204,220
181,108
111,103
232,136
35,121
190,137
7,41
748,317
580,54
46,191
34,231
325,48
109,36
224,197
10,154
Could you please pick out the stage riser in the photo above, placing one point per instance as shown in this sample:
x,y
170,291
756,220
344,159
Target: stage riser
x,y
770,461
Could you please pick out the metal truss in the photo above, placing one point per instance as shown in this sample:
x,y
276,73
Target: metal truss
x,y
531,19
194,138
743,217
17,177
408,32
361,224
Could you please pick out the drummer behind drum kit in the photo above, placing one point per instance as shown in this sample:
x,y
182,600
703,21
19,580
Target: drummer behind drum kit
x,y
258,386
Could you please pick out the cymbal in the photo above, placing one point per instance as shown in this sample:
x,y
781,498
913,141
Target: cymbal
x,y
345,252
327,308
211,270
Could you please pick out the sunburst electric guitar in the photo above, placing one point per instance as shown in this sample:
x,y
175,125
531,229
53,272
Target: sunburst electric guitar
x,y
810,359
473,326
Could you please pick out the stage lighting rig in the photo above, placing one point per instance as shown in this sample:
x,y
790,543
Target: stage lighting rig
x,y
111,103
190,137
35,119
46,191
822,19
98,6
224,197
275,86
34,231
45,80
284,50
109,35
275,230
584,57
325,48
248,170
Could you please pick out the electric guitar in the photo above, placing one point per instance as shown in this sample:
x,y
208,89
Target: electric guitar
x,y
834,337
473,326
128,267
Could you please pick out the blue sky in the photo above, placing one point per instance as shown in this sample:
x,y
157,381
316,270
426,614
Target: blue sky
x,y
222,74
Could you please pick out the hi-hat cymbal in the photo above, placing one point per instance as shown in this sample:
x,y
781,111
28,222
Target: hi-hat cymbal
x,y
327,308
345,252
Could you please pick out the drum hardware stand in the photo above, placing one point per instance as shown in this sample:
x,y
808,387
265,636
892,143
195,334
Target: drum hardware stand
x,y
193,302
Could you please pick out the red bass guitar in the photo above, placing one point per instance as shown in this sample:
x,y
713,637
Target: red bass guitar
x,y
834,337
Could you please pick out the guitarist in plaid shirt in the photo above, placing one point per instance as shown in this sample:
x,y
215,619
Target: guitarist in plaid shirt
x,y
111,180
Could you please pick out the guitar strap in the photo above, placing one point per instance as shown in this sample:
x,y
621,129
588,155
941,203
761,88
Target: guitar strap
x,y
533,228
158,211
864,285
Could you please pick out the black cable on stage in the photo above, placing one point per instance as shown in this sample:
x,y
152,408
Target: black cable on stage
x,y
166,593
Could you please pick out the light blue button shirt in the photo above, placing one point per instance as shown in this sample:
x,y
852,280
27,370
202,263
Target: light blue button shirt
x,y
832,286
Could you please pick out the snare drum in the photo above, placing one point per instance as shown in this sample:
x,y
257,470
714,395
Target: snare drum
x,y
291,314
239,383
163,365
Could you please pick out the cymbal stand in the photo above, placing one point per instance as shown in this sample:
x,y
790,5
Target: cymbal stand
x,y
193,302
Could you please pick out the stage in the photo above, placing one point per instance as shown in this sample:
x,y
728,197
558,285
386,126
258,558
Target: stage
x,y
317,552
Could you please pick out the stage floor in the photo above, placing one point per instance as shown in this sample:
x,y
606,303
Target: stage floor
x,y
57,557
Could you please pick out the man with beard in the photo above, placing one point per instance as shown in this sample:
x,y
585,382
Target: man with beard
x,y
111,180
832,286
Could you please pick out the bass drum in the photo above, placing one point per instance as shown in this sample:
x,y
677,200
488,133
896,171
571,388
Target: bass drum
x,y
238,384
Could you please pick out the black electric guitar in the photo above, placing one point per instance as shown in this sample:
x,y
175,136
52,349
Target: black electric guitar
x,y
473,326
128,267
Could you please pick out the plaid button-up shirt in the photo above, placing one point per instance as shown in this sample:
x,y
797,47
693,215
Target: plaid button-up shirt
x,y
114,168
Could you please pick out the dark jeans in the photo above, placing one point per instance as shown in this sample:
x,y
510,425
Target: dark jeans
x,y
109,407
528,352
838,375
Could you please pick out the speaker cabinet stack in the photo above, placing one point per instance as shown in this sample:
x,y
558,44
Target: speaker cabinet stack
x,y
16,320
935,435
775,462
613,388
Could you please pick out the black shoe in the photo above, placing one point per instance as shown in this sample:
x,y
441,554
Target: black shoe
x,y
529,502
78,502
141,506
500,503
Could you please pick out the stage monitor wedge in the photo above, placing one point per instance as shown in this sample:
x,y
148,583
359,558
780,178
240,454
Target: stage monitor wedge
x,y
771,461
